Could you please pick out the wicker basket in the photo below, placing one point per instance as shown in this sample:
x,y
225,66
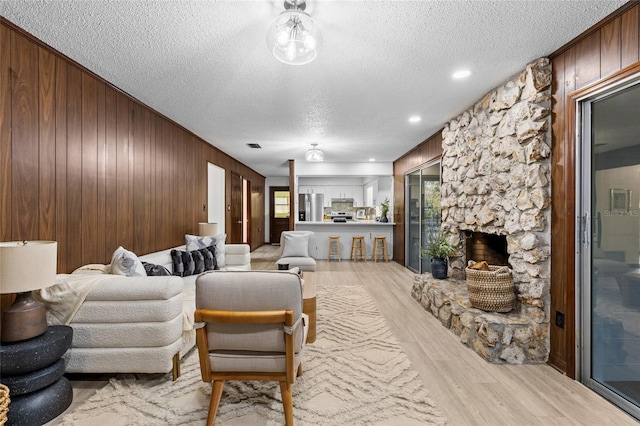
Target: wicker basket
x,y
4,403
491,291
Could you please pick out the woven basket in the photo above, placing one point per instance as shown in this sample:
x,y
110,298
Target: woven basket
x,y
491,291
4,403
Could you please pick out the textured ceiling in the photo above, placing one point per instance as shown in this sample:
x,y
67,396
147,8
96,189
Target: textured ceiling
x,y
205,64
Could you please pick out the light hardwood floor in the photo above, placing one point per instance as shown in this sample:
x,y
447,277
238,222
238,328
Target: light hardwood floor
x,y
467,389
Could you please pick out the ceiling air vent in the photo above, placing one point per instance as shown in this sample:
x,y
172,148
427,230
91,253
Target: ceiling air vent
x,y
254,145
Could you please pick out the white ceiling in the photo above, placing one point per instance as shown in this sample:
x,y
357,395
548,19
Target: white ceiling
x,y
206,65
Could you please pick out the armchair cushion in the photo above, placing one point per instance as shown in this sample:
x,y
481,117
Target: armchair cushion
x,y
229,290
295,245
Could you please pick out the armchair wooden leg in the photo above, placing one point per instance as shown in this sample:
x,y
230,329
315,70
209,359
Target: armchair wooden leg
x,y
287,402
216,394
299,372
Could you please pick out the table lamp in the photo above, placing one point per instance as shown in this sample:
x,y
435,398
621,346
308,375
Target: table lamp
x,y
26,266
207,229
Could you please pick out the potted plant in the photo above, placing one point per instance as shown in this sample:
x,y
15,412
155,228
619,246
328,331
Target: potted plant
x,y
385,210
439,250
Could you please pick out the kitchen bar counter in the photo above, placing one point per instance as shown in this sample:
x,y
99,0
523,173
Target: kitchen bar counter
x,y
346,230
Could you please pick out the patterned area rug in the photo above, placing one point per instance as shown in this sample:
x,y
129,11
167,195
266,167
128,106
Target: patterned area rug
x,y
354,374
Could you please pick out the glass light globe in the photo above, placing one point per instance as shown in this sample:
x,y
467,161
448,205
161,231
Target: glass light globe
x,y
293,38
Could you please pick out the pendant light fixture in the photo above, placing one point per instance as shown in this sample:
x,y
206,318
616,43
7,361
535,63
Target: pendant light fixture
x,y
314,155
293,37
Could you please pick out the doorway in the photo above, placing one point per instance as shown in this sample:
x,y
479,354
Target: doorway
x,y
216,196
279,202
240,229
609,251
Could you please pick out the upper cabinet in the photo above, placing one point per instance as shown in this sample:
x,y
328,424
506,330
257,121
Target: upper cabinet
x,y
370,193
345,191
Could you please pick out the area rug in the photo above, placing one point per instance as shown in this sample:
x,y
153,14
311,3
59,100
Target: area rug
x,y
354,374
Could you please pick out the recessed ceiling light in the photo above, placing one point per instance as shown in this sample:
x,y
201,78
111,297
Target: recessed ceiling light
x,y
461,74
414,119
372,159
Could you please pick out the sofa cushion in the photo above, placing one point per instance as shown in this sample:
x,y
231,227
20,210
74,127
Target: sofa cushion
x,y
296,245
209,258
125,262
183,263
195,242
155,270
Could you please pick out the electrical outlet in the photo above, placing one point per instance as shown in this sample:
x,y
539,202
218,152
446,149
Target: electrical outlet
x,y
560,319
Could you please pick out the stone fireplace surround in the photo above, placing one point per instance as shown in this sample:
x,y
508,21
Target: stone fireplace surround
x,y
496,180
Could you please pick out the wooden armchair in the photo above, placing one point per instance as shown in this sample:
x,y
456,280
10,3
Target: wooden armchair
x,y
250,326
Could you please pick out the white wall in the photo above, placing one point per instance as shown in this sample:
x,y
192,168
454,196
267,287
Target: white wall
x,y
344,169
215,196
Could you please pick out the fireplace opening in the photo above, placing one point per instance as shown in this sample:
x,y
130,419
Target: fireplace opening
x,y
489,247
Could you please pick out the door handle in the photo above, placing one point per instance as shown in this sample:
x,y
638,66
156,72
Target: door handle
x,y
585,229
239,221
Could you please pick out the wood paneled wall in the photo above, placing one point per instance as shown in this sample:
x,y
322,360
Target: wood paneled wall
x,y
600,53
86,165
427,151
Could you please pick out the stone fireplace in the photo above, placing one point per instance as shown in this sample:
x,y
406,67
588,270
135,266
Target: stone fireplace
x,y
495,197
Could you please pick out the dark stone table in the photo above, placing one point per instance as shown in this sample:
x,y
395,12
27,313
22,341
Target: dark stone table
x,y
33,371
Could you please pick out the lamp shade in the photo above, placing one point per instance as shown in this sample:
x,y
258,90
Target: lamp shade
x,y
27,266
207,229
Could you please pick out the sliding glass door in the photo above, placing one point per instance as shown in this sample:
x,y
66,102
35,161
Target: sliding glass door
x,y
609,256
423,213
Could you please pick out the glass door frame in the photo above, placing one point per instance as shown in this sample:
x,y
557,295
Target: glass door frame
x,y
407,189
584,238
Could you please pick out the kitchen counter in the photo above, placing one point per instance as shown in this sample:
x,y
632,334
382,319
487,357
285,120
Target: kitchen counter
x,y
346,230
350,222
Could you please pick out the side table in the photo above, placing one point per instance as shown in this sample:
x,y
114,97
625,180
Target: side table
x,y
33,371
309,303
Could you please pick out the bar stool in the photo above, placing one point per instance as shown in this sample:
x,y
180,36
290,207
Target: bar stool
x,y
380,243
358,249
334,247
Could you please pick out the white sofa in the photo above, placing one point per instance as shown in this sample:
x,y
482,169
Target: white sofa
x,y
138,324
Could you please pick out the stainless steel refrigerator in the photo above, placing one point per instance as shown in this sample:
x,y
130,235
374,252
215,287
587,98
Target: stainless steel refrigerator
x,y
310,207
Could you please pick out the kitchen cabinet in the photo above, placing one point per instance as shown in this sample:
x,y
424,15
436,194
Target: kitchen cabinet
x,y
311,189
358,196
341,191
346,191
304,189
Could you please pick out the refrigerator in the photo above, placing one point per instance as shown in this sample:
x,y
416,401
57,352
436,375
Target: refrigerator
x,y
310,207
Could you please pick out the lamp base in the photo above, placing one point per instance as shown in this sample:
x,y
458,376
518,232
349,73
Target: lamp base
x,y
25,319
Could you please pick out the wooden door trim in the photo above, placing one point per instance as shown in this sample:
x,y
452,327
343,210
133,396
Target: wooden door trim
x,y
572,321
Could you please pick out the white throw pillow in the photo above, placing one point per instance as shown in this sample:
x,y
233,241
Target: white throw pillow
x,y
296,245
125,262
195,242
